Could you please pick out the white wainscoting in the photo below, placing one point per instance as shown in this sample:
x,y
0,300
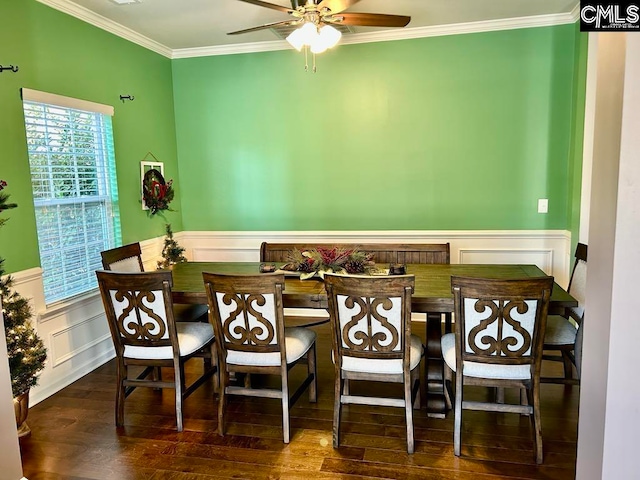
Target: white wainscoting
x,y
77,337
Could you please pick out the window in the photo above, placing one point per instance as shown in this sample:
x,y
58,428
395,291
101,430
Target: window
x,y
71,157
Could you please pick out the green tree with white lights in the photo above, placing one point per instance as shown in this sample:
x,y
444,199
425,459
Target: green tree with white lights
x,y
26,352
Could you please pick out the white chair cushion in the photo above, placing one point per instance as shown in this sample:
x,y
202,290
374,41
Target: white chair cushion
x,y
560,331
192,336
481,370
393,366
297,341
126,265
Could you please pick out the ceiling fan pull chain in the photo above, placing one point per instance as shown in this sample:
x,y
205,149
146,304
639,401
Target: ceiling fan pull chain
x,y
306,61
314,63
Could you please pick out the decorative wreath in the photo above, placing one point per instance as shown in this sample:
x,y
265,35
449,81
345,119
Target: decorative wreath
x,y
156,193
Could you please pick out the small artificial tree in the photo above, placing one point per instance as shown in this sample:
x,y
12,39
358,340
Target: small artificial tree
x,y
26,352
172,253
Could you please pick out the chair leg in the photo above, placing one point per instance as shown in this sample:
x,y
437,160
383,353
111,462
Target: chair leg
x,y
499,392
222,398
285,407
524,399
408,409
457,425
312,370
216,365
120,393
537,425
568,365
156,376
337,409
448,379
179,386
415,379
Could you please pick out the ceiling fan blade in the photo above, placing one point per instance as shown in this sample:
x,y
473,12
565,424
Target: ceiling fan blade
x,y
371,19
336,6
285,23
272,6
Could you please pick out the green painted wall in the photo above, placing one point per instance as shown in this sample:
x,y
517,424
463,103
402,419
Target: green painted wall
x,y
457,132
59,54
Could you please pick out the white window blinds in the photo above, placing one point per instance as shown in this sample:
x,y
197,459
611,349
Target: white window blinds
x,y
71,157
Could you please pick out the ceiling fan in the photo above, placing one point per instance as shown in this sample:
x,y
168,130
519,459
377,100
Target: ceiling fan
x,y
316,17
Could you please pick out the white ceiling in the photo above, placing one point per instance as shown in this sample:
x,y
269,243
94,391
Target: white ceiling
x,y
179,28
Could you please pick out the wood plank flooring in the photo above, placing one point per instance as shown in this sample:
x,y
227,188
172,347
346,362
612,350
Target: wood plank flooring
x,y
74,436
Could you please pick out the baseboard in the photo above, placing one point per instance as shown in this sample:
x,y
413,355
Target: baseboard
x,y
44,391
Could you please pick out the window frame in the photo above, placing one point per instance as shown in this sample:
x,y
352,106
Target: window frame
x,y
72,159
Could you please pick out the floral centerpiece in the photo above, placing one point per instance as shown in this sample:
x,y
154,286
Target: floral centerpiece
x,y
319,261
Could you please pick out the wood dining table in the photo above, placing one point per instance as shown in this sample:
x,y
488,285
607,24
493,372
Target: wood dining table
x,y
432,296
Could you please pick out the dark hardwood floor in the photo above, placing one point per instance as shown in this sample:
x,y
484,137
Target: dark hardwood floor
x,y
74,436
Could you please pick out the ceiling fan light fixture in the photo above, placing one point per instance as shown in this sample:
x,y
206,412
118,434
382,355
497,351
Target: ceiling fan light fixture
x,y
296,39
330,36
318,47
310,32
318,40
327,37
316,33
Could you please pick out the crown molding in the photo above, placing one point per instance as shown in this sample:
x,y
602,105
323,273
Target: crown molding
x,y
389,35
110,26
575,13
460,28
231,49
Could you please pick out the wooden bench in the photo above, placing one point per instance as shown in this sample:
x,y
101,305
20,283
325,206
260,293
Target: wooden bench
x,y
383,253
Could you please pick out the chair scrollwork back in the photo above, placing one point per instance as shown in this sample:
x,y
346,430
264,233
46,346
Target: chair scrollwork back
x,y
248,320
370,324
141,307
499,327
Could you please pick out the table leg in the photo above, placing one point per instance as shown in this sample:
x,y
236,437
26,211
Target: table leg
x,y
434,368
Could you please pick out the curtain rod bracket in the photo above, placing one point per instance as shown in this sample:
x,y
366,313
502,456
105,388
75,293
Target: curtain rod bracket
x,y
126,97
13,68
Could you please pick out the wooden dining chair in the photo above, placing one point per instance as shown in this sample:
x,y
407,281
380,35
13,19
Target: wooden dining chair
x,y
498,340
138,307
372,341
247,315
128,258
563,332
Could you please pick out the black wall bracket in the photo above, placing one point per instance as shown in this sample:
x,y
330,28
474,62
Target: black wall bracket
x,y
12,68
